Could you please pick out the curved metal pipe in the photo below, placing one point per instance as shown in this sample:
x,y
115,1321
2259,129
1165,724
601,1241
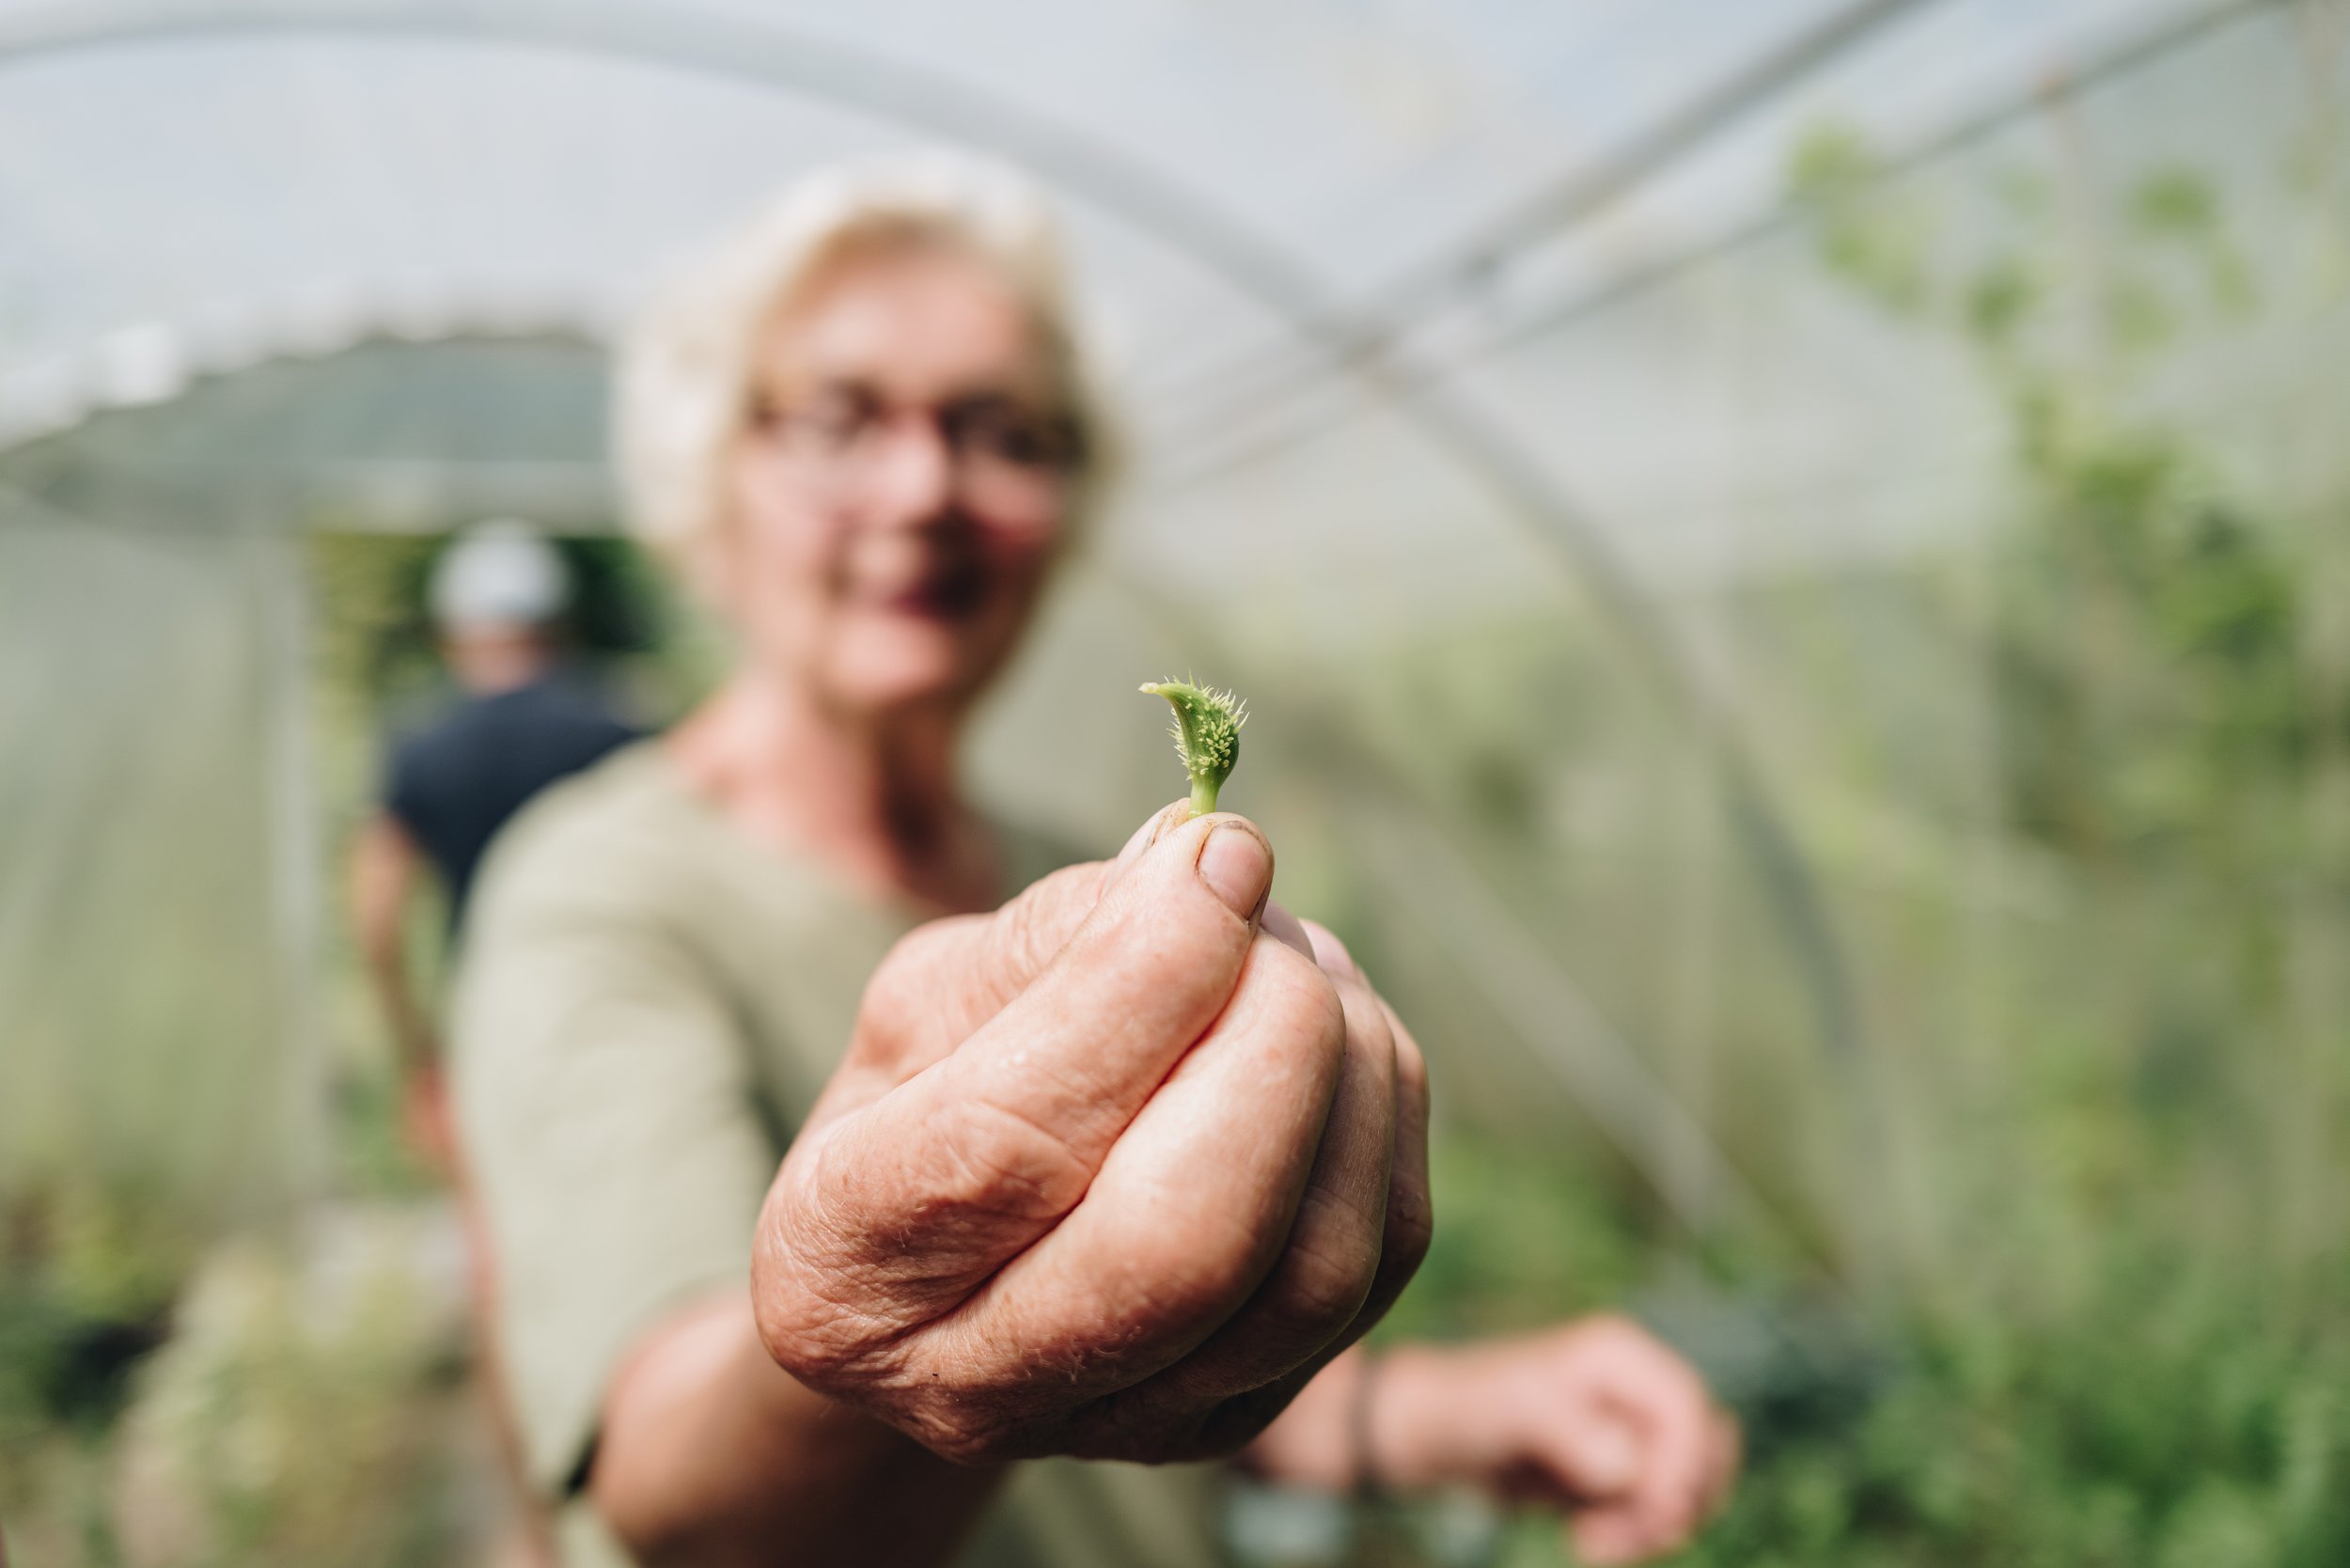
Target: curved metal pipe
x,y
768,56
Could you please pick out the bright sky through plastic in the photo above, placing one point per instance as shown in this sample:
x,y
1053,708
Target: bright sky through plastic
x,y
184,204
312,183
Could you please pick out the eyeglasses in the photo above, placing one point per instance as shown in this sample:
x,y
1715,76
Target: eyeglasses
x,y
1006,456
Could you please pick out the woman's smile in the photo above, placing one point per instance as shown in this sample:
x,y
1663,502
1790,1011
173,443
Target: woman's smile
x,y
925,580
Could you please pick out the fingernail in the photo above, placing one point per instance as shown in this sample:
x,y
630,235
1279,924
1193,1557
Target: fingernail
x,y
1135,843
1149,833
1239,866
1171,816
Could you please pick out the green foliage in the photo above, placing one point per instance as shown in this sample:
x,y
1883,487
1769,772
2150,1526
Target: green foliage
x,y
1833,178
297,1417
2173,1419
2167,1416
2130,1377
2147,631
2075,783
90,1276
250,1413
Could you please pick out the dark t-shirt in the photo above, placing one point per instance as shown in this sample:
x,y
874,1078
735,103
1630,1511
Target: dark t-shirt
x,y
453,784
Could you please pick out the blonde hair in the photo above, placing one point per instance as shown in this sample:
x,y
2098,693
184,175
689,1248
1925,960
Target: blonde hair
x,y
687,369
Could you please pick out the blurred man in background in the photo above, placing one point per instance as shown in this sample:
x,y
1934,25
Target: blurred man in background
x,y
522,721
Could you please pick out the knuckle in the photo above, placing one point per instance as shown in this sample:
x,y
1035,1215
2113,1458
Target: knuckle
x,y
1030,929
1204,1290
796,1341
974,1448
992,1162
809,1333
1411,1067
1330,952
1195,1284
920,951
1314,1017
1330,1020
1233,1424
956,1429
1295,1015
1322,1283
839,1274
902,995
1411,1225
1013,935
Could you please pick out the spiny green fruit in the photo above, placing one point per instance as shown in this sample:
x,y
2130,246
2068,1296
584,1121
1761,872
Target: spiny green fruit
x,y
1207,736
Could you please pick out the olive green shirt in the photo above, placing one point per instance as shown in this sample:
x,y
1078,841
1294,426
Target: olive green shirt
x,y
648,1005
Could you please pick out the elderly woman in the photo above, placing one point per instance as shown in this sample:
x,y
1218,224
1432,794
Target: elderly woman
x,y
841,1220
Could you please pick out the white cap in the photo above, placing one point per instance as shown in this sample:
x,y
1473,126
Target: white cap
x,y
501,573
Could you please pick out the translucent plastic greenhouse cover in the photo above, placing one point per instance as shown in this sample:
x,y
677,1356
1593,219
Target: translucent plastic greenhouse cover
x,y
1431,320
193,182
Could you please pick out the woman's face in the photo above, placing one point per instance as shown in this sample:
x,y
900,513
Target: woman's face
x,y
899,486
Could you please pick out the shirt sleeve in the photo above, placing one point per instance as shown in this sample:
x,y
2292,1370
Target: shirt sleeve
x,y
613,1143
404,790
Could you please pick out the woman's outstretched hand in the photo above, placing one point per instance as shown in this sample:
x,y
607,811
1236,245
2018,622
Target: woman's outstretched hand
x,y
1596,1418
1112,1172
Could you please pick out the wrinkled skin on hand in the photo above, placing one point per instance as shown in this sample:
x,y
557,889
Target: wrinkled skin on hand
x,y
1111,1172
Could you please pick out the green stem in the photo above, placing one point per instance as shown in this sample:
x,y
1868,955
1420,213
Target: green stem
x,y
1202,797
